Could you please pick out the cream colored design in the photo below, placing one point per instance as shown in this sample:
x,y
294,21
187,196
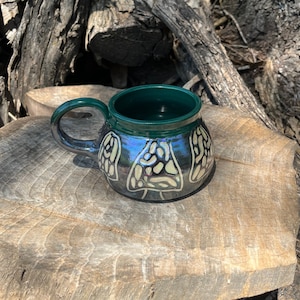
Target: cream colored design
x,y
109,155
155,169
202,154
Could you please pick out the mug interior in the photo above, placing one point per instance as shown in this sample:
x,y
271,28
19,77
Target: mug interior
x,y
155,103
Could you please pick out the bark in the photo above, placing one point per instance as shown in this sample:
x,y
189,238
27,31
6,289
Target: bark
x,y
65,25
46,44
196,32
64,29
6,103
272,31
125,33
3,102
122,34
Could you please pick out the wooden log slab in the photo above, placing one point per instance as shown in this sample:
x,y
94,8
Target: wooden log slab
x,y
64,233
42,102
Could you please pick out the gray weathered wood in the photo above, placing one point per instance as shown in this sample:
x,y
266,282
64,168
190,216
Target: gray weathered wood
x,y
7,109
42,102
4,102
125,33
46,44
196,32
64,233
38,31
121,34
273,42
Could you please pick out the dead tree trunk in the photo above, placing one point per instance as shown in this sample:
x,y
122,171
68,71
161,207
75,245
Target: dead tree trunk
x,y
3,102
58,37
46,44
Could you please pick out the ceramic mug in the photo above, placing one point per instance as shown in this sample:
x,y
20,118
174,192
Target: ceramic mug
x,y
153,146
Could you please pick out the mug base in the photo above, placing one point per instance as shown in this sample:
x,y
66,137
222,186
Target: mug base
x,y
202,186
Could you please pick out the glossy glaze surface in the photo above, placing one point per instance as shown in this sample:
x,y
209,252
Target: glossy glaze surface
x,y
154,145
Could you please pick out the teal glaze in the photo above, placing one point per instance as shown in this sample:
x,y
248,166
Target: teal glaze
x,y
154,146
157,110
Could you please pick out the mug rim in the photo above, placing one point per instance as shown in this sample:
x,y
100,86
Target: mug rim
x,y
188,117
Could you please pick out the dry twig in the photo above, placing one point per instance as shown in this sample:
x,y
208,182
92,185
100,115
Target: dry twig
x,y
228,14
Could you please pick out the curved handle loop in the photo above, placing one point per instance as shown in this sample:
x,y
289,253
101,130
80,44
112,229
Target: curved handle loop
x,y
86,147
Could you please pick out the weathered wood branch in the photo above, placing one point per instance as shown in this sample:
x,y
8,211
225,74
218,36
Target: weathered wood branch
x,y
196,32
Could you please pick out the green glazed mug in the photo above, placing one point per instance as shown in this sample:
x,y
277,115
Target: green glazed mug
x,y
153,146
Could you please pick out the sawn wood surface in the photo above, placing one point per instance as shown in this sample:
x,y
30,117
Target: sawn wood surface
x,y
65,234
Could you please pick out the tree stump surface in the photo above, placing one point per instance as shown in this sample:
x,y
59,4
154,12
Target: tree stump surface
x,y
42,102
64,233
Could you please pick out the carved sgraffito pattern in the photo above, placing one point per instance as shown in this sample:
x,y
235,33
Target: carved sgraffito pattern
x,y
202,153
109,155
156,169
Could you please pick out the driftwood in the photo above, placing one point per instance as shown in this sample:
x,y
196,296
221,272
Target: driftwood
x,y
64,233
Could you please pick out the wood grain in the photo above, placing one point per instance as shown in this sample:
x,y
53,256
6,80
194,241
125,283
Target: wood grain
x,y
195,30
43,101
125,32
65,234
46,45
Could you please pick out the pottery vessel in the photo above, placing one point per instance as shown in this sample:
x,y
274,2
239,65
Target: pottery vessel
x,y
153,146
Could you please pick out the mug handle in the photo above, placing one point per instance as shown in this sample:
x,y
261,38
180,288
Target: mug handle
x,y
86,147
